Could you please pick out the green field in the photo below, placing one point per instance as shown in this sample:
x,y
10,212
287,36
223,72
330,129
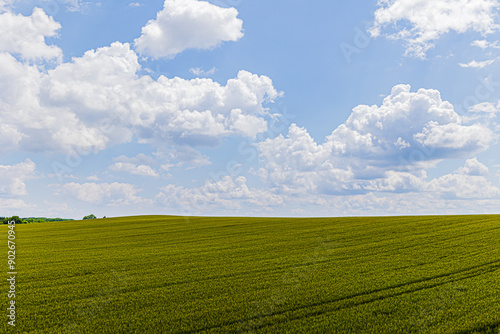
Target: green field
x,y
162,274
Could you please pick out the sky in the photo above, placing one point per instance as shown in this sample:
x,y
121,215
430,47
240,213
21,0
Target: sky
x,y
249,108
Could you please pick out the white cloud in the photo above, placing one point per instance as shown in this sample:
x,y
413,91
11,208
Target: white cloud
x,y
99,100
4,5
487,107
13,177
143,170
421,119
474,168
484,44
398,182
9,204
478,64
297,163
140,158
112,194
188,24
9,136
198,71
182,155
227,194
25,35
421,23
394,142
134,4
71,5
454,137
463,186
372,204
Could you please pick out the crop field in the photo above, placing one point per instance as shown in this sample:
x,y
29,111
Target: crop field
x,y
166,274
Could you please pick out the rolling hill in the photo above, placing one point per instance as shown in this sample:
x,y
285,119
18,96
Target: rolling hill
x,y
167,274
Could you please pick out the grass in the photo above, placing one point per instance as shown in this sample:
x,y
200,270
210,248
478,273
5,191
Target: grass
x,y
163,274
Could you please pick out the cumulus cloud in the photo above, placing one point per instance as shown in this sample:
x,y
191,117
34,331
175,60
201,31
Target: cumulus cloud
x,y
394,142
25,35
468,181
13,177
484,44
188,24
227,194
112,194
99,100
421,23
8,204
463,186
127,167
474,168
371,204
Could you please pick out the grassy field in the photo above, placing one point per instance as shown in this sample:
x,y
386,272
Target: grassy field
x,y
161,274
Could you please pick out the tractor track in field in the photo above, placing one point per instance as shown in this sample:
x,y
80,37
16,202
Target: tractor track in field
x,y
469,272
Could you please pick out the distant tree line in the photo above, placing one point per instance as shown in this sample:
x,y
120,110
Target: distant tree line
x,y
30,220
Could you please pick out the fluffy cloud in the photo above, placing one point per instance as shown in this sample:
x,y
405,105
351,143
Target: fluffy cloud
x,y
463,186
112,194
188,24
372,204
25,35
6,205
378,148
405,122
13,177
127,167
484,44
474,168
468,181
425,21
297,163
99,100
227,194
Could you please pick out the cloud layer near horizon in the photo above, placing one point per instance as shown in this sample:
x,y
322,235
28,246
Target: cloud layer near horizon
x,y
378,148
377,161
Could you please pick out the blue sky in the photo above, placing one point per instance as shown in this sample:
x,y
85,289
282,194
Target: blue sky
x,y
258,108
